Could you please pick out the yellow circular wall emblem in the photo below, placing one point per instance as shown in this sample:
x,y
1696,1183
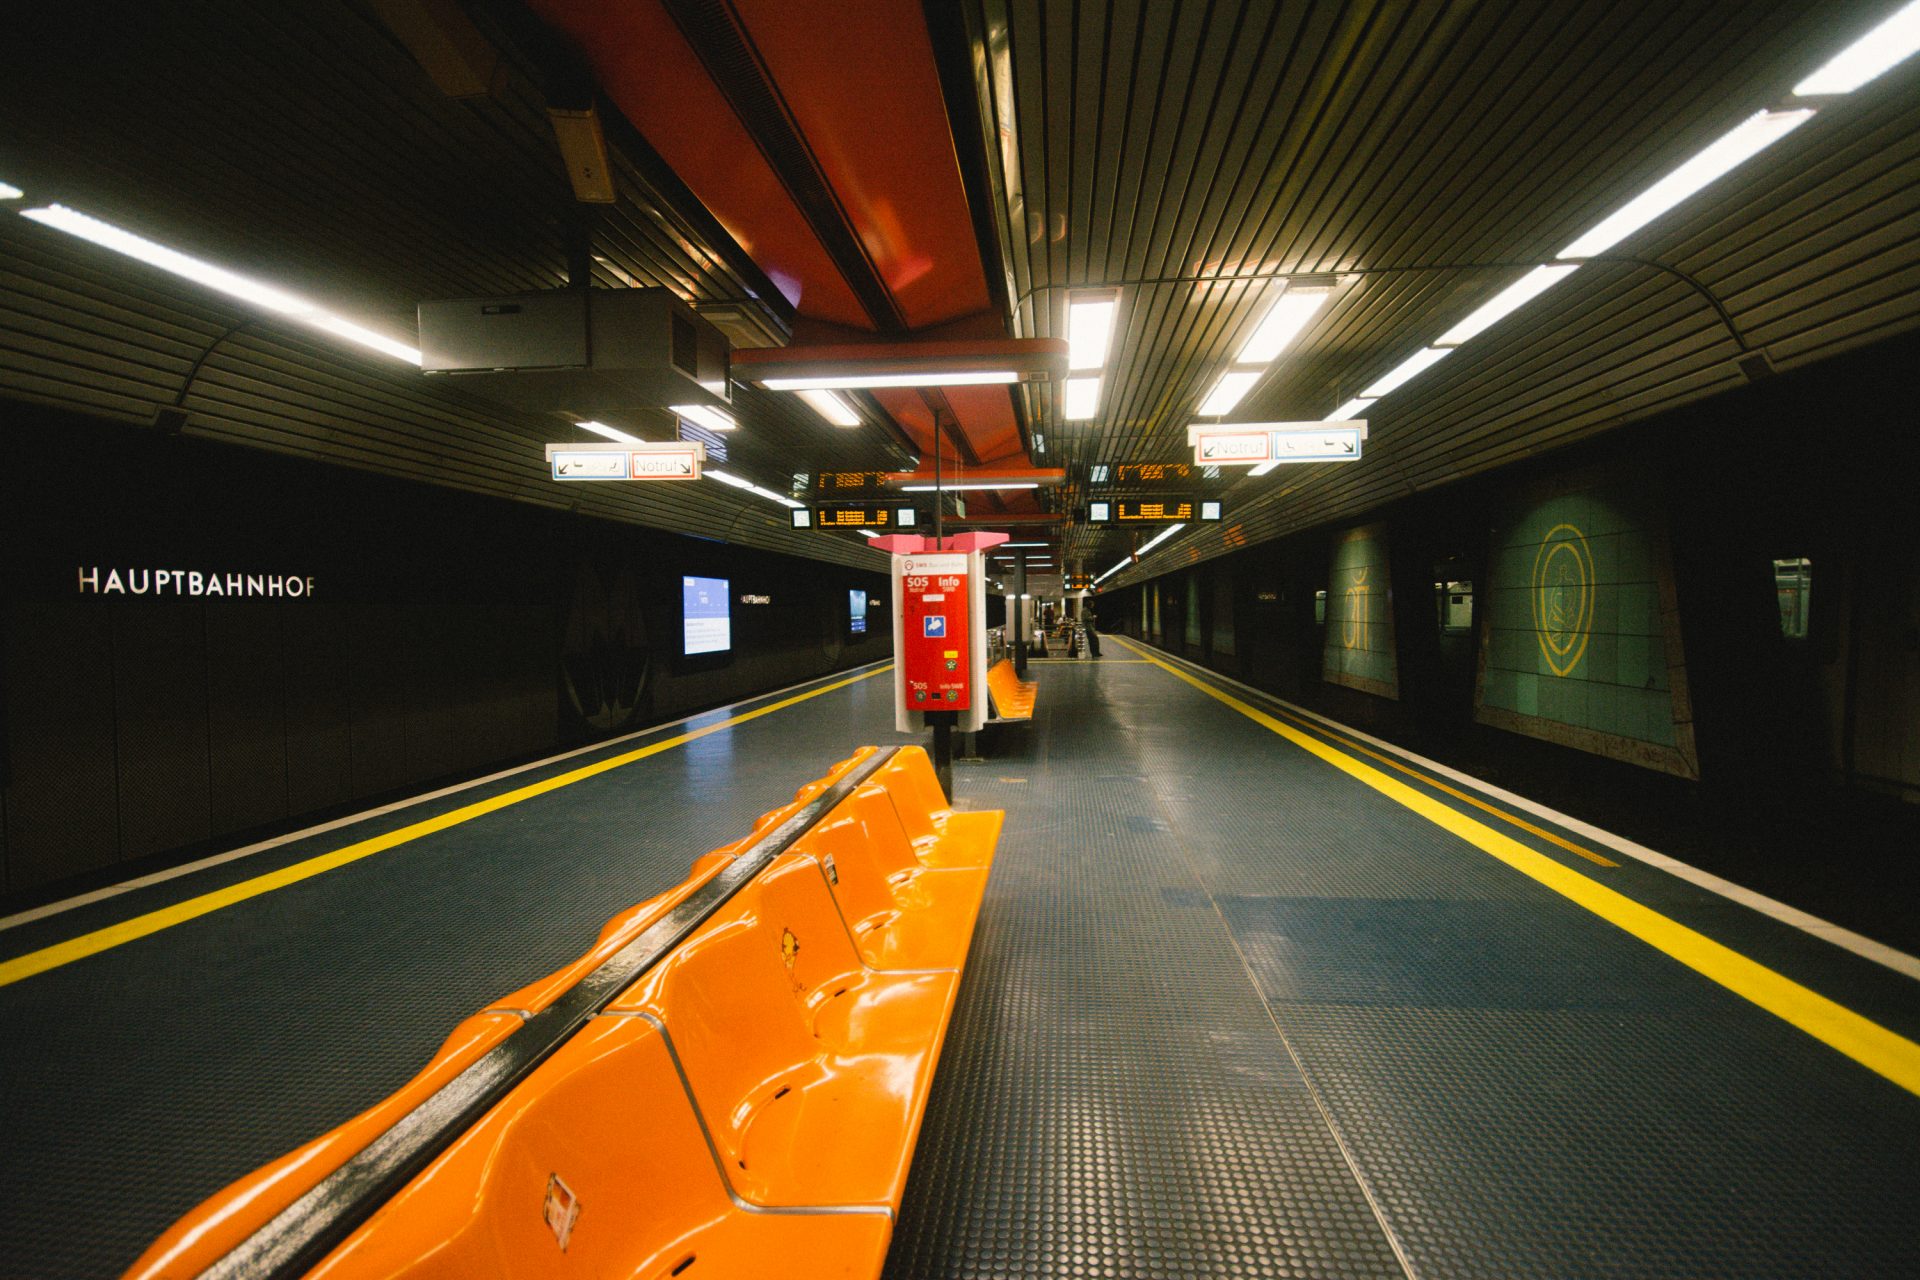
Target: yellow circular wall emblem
x,y
1563,597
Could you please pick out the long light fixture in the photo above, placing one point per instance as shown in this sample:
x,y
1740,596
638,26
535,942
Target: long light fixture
x,y
1229,391
1413,366
1090,327
834,408
611,433
932,378
1141,554
705,415
10,192
739,482
1890,43
1285,320
1506,302
219,279
1741,143
1081,399
954,488
1351,409
1010,545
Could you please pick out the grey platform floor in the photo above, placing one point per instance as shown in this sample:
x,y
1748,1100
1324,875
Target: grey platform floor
x,y
1229,1012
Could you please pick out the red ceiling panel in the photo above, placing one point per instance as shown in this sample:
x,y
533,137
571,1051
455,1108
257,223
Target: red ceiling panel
x,y
864,90
647,69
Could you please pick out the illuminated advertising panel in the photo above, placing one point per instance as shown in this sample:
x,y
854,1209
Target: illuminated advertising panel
x,y
706,615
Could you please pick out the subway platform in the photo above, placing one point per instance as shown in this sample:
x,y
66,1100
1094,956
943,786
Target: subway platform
x,y
1250,995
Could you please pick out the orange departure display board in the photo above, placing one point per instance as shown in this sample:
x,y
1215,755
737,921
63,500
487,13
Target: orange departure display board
x,y
870,515
1140,510
1151,472
850,481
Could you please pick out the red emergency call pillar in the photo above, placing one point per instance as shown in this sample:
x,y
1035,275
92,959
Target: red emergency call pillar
x,y
939,637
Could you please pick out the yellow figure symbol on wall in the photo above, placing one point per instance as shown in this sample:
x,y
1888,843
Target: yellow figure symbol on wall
x,y
1563,594
1353,627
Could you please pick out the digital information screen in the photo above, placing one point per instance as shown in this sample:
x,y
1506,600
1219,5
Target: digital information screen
x,y
860,516
856,612
1148,511
706,618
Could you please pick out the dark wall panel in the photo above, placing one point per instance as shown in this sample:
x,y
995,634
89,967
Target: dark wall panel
x,y
443,635
62,817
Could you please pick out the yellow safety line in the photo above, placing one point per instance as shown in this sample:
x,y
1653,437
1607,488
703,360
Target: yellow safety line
x,y
1865,1041
88,944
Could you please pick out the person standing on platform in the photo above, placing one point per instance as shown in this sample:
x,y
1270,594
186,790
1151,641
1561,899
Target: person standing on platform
x,y
1093,636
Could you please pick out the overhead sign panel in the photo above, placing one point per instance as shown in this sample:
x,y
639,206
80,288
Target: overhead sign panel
x,y
840,482
1232,448
863,515
1158,510
1257,443
676,460
1333,443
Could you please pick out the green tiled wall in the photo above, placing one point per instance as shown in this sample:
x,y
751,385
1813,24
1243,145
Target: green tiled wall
x,y
1577,647
1359,649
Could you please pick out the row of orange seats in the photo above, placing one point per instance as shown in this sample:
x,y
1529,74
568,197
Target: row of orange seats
x,y
748,1106
1013,698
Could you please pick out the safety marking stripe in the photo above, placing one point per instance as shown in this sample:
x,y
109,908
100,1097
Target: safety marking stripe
x,y
88,944
1865,1041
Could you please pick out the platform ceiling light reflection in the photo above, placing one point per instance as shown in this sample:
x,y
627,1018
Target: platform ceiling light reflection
x,y
219,279
1506,302
1229,391
1741,143
1090,328
931,378
1284,322
612,433
1082,399
832,407
740,482
1881,49
706,416
982,484
1407,370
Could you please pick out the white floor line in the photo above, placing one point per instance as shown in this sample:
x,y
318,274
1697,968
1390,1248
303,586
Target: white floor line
x,y
1861,945
231,855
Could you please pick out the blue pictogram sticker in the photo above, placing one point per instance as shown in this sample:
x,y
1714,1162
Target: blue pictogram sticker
x,y
936,626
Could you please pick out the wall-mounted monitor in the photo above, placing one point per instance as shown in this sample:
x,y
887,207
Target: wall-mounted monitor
x,y
706,617
856,611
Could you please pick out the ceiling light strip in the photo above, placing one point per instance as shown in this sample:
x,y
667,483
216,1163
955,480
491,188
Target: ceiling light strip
x,y
1887,45
219,279
740,482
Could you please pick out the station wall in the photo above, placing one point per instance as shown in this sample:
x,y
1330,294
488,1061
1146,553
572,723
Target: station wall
x,y
349,637
1691,664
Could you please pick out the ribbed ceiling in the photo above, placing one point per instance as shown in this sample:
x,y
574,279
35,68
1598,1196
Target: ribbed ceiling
x,y
1429,153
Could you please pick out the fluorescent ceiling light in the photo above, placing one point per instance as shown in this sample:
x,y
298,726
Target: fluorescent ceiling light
x,y
1161,537
706,416
1264,467
833,408
1089,329
219,279
1892,42
1745,140
868,533
10,192
1026,544
1351,409
950,488
1226,393
612,433
1283,323
1407,369
1082,398
850,381
727,477
1506,302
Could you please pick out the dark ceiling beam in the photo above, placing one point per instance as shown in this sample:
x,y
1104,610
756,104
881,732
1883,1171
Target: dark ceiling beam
x,y
959,56
719,38
557,70
946,420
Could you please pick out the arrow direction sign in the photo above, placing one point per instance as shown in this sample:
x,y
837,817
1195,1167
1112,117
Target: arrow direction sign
x,y
1332,442
637,460
1231,448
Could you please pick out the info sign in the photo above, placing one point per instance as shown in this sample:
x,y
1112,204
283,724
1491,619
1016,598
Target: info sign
x,y
638,460
935,600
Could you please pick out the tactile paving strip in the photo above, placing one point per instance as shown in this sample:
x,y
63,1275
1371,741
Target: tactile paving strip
x,y
1113,1100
